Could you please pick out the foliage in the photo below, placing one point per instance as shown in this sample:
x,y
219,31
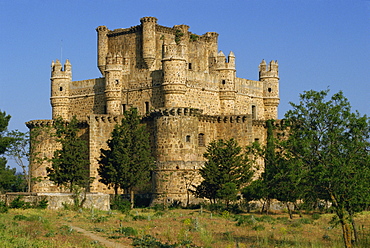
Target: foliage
x,y
3,207
19,150
7,174
127,163
151,242
70,164
331,145
5,141
19,203
281,177
178,36
127,231
224,172
118,203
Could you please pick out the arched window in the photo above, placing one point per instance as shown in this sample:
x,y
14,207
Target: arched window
x,y
254,112
201,141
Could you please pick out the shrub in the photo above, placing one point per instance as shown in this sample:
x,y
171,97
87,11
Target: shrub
x,y
3,207
258,227
266,218
316,216
127,231
120,204
243,220
43,204
19,217
19,203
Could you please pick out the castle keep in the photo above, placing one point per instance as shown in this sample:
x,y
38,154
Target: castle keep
x,y
185,89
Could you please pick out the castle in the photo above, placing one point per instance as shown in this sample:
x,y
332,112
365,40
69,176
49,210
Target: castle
x,y
185,89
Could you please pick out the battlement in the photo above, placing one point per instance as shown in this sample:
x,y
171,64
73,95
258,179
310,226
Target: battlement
x,y
59,71
270,71
148,19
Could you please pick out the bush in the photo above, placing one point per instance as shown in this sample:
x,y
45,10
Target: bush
x,y
258,227
316,216
127,231
3,207
19,217
121,204
243,220
19,203
43,204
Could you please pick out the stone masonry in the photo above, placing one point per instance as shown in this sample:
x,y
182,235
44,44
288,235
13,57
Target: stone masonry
x,y
185,89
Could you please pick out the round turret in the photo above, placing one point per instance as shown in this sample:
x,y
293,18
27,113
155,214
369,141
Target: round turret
x,y
61,79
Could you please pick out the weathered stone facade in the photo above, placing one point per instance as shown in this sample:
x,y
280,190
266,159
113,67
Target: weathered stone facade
x,y
185,89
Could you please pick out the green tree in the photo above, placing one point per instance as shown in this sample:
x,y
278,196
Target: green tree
x,y
331,144
19,151
226,168
70,164
281,177
7,175
127,163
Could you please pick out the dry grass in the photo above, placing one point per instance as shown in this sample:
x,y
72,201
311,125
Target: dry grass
x,y
202,228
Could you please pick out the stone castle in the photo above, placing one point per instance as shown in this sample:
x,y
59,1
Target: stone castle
x,y
185,89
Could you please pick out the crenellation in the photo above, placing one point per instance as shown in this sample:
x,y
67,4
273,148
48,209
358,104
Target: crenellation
x,y
183,86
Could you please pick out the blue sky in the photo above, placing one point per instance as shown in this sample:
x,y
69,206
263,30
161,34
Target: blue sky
x,y
318,44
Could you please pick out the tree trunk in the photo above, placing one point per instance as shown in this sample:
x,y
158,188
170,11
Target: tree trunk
x,y
355,235
347,234
298,210
132,198
289,210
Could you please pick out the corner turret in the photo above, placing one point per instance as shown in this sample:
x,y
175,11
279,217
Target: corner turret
x,y
113,83
227,74
61,78
174,74
269,75
102,47
149,42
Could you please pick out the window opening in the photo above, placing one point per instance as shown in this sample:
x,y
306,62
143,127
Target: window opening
x,y
254,114
201,141
223,81
123,108
269,89
190,66
60,88
187,139
146,107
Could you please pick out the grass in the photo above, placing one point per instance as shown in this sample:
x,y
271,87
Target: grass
x,y
173,228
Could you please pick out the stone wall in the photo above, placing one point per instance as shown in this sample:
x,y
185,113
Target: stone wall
x,y
58,200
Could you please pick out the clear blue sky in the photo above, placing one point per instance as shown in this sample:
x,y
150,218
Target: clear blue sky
x,y
318,43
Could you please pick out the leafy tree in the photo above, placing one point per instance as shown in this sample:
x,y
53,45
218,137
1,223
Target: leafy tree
x,y
331,145
225,171
281,177
5,141
70,164
127,163
19,152
7,175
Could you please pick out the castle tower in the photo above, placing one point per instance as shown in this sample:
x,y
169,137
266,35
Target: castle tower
x,y
226,71
174,75
113,83
149,42
270,78
176,153
61,79
102,47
